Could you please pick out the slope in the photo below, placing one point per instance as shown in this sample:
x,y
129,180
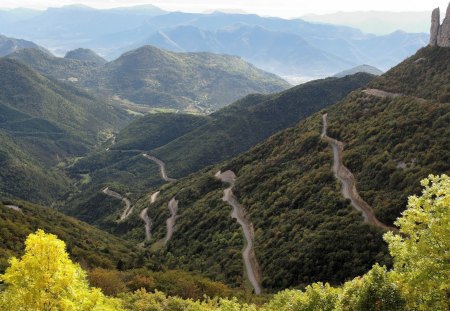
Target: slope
x,y
152,78
85,55
189,143
274,51
10,45
42,123
86,244
304,229
159,78
250,120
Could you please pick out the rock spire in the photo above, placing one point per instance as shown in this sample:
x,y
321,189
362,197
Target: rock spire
x,y
440,33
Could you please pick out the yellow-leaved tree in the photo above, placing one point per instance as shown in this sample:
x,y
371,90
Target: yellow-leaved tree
x,y
421,251
45,279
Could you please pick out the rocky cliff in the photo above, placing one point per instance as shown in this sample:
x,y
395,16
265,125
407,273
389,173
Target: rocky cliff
x,y
440,33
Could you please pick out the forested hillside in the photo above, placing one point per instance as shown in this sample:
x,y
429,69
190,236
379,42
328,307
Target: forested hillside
x,y
304,229
42,123
188,143
149,78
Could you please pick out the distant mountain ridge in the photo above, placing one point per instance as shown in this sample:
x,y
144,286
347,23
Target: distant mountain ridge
x,y
377,22
85,55
311,49
11,45
362,68
154,78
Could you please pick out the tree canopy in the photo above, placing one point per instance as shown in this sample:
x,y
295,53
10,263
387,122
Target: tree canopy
x,y
46,279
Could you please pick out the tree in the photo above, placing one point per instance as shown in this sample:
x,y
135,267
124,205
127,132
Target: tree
x,y
45,279
421,251
316,297
375,291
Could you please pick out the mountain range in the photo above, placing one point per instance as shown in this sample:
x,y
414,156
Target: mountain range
x,y
42,123
377,22
149,77
293,48
197,175
304,228
190,143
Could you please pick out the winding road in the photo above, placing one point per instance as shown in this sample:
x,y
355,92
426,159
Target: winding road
x,y
162,167
128,208
384,94
170,222
381,93
238,213
343,174
146,219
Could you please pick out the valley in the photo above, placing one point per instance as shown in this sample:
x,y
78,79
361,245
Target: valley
x,y
186,175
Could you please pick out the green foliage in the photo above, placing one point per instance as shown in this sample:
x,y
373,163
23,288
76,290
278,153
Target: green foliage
x,y
316,297
391,144
155,130
86,244
189,143
46,279
42,123
249,121
420,252
171,282
375,291
152,77
425,74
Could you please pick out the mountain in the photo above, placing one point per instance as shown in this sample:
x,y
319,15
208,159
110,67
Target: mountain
x,y
249,121
188,143
200,81
155,130
68,27
42,123
377,22
63,69
304,228
10,45
362,68
309,49
339,46
86,55
274,51
152,78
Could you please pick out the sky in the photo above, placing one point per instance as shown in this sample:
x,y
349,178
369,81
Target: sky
x,y
281,8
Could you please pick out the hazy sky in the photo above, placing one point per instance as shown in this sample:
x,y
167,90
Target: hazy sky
x,y
283,8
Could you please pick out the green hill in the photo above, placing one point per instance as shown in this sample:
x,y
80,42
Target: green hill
x,y
86,244
10,45
62,69
149,78
113,264
42,123
188,143
249,121
425,74
198,81
304,229
155,130
85,55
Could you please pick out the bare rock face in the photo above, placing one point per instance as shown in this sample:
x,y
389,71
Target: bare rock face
x,y
435,25
443,38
